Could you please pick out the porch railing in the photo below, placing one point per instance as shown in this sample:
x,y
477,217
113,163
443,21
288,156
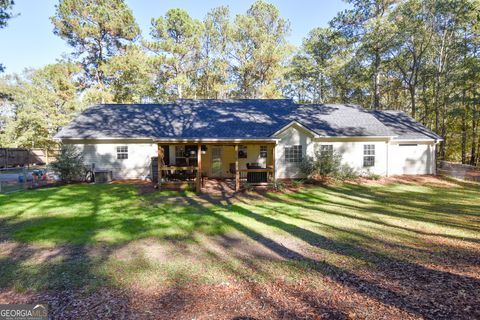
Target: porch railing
x,y
178,174
183,176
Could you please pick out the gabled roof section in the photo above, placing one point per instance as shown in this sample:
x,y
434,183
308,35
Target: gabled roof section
x,y
404,126
294,124
220,119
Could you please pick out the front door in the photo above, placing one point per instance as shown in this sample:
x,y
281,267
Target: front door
x,y
216,161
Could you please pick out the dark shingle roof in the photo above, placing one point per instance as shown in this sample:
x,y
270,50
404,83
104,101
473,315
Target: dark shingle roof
x,y
216,119
338,120
404,126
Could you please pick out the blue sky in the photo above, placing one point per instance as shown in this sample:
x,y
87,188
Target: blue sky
x,y
28,40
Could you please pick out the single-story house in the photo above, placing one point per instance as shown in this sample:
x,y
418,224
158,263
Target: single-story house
x,y
249,140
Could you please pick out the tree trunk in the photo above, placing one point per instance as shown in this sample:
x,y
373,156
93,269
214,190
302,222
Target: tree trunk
x,y
475,142
376,82
412,90
464,129
444,131
180,91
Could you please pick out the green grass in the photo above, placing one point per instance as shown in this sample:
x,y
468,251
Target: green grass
x,y
109,235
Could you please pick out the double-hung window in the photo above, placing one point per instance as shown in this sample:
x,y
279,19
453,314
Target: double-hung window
x,y
180,159
293,154
326,149
122,152
368,155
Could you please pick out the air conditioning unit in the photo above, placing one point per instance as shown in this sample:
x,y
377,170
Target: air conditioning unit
x,y
103,176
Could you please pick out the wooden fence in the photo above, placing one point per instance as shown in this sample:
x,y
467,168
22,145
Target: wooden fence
x,y
458,170
20,157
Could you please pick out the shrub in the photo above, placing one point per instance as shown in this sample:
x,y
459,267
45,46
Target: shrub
x,y
345,172
327,165
370,175
322,164
297,183
279,185
69,164
247,186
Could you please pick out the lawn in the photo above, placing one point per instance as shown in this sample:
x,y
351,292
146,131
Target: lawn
x,y
407,249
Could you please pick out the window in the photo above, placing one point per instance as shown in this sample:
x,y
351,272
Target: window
x,y
326,149
186,155
179,151
242,152
180,159
263,151
293,154
368,155
122,152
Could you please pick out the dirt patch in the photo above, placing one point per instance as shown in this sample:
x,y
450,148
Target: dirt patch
x,y
144,186
150,248
135,182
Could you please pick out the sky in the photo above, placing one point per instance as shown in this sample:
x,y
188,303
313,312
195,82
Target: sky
x,y
28,40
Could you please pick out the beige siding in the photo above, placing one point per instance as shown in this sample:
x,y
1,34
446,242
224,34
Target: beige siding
x,y
351,150
104,156
352,153
291,136
411,158
390,157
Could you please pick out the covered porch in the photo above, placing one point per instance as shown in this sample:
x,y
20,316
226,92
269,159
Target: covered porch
x,y
191,163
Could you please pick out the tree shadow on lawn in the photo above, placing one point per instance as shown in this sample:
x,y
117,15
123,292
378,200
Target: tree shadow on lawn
x,y
434,246
64,224
367,215
27,267
414,288
284,299
381,205
394,282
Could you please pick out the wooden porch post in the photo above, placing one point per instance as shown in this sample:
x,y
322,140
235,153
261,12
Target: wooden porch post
x,y
160,163
199,168
237,168
273,163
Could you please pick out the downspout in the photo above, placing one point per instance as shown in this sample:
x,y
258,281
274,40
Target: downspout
x,y
388,160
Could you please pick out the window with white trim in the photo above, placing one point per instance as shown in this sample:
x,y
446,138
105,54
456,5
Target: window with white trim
x,y
368,155
293,154
326,149
122,152
263,152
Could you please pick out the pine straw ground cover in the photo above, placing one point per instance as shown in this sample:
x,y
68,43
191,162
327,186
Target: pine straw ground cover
x,y
403,249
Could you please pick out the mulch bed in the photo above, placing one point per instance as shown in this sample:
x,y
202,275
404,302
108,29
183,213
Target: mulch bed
x,y
230,300
393,289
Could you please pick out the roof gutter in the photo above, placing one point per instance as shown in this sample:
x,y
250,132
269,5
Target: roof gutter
x,y
219,140
358,137
416,140
101,138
